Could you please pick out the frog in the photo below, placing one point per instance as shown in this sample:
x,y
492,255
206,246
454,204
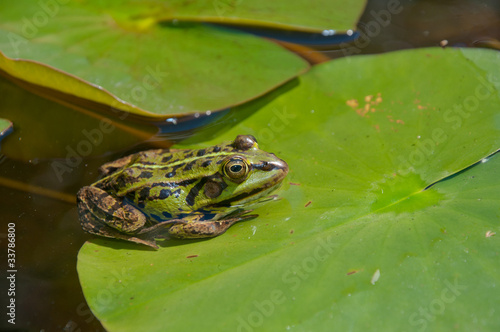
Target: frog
x,y
180,193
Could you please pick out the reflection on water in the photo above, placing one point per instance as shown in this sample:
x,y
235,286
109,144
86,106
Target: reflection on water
x,y
48,234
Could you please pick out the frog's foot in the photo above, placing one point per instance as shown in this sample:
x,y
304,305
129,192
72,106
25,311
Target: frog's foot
x,y
103,230
203,229
159,230
146,236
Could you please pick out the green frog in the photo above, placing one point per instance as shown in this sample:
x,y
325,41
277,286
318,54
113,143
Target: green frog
x,y
185,193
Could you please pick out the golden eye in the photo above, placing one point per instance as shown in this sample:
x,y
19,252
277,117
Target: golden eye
x,y
236,169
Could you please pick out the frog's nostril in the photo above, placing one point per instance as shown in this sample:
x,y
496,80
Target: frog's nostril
x,y
266,166
272,165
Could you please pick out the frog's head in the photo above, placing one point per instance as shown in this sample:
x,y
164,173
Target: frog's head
x,y
245,174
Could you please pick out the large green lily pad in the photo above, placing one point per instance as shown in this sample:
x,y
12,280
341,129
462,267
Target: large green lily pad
x,y
133,61
357,241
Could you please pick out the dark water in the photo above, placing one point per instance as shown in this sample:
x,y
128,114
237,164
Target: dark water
x,y
48,235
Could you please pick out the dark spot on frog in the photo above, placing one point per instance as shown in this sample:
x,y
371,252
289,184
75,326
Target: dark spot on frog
x,y
189,166
108,217
101,196
145,162
193,193
189,155
164,193
156,217
200,153
174,169
217,149
143,194
206,163
146,175
184,183
166,158
182,215
124,178
207,216
214,188
177,193
167,215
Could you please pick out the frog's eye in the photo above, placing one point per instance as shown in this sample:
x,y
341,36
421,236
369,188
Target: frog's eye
x,y
236,169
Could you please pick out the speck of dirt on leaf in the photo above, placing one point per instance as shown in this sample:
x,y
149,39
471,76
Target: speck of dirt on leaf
x,y
308,203
490,233
192,256
375,277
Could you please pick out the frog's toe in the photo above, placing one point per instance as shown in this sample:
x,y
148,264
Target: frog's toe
x,y
159,228
202,229
148,242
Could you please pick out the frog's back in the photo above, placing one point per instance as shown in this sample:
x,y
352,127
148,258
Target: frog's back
x,y
161,179
170,183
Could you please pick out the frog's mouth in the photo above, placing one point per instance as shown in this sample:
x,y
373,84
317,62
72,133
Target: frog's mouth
x,y
248,197
254,195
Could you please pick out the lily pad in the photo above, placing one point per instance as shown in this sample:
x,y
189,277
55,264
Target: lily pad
x,y
359,240
134,62
318,16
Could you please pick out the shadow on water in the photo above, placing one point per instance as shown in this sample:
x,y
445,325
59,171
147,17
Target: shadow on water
x,y
124,245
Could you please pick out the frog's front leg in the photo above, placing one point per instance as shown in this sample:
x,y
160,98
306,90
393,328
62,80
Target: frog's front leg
x,y
204,229
105,215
